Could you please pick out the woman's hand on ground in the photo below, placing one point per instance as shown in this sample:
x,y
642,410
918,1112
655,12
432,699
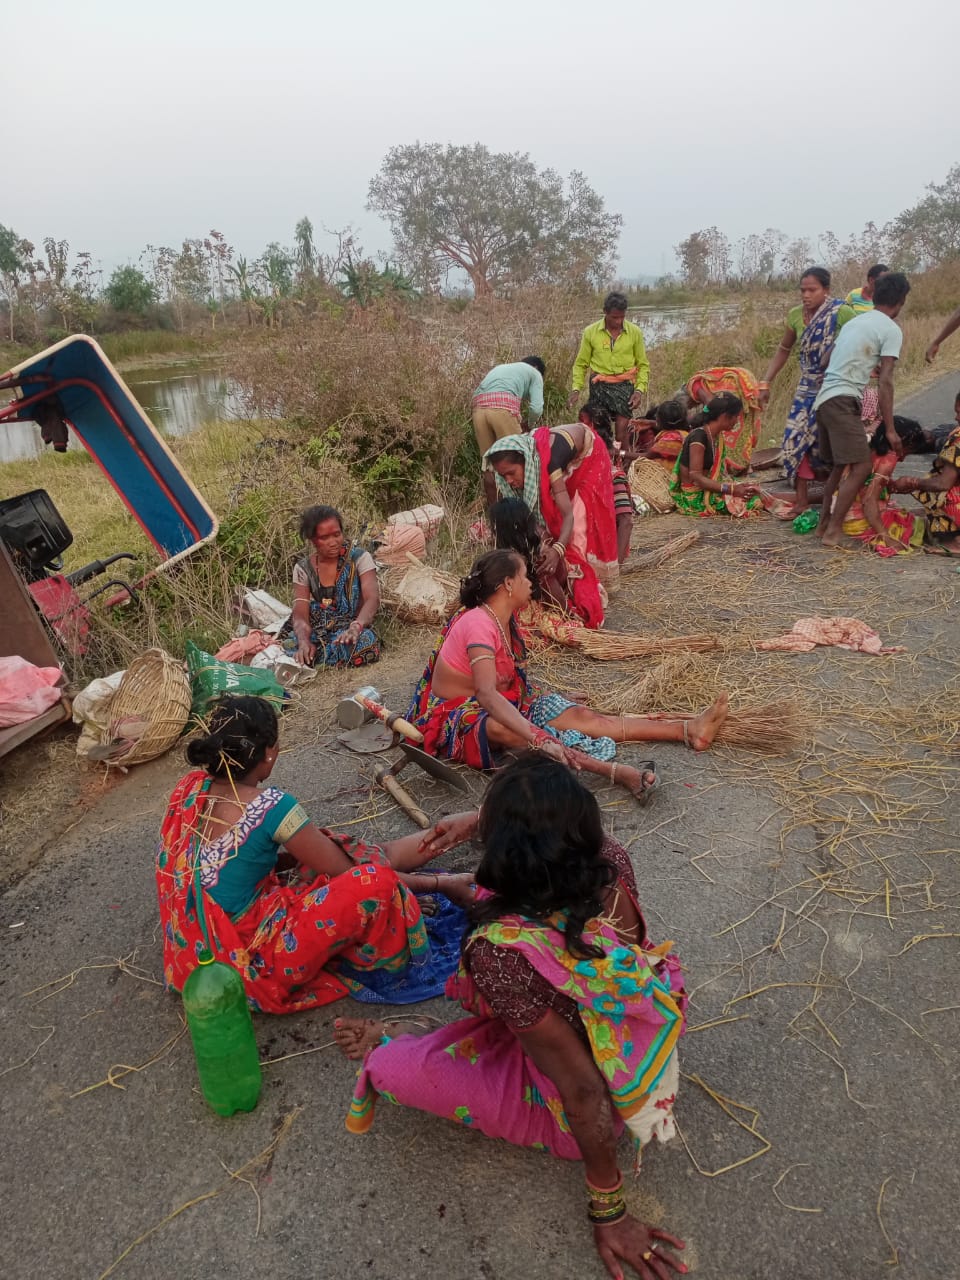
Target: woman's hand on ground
x,y
632,1241
447,833
460,888
350,635
306,652
746,490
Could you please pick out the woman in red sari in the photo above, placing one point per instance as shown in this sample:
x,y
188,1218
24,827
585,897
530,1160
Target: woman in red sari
x,y
297,944
565,476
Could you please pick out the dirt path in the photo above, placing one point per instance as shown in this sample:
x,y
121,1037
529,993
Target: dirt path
x,y
813,900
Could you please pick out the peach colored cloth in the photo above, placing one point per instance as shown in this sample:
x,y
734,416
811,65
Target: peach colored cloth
x,y
26,691
845,633
243,648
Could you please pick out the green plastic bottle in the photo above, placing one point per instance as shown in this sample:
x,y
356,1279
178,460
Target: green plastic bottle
x,y
806,521
221,1029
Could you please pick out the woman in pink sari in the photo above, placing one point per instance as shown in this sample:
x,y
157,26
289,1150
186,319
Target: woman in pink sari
x,y
574,1014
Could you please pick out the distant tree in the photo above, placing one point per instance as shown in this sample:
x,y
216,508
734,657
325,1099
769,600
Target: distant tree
x,y
719,260
494,216
693,254
796,256
305,253
929,233
240,270
128,289
363,281
219,255
15,257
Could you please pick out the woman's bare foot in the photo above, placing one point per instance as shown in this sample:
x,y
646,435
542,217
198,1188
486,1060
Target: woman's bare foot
x,y
702,729
355,1037
641,782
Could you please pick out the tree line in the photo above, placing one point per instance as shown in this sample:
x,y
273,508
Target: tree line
x,y
923,236
458,215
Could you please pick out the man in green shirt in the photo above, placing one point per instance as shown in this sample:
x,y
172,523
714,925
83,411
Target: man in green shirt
x,y
613,352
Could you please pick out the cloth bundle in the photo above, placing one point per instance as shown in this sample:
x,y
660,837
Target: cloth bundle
x,y
844,633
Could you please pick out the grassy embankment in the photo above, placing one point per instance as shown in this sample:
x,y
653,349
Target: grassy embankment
x,y
257,476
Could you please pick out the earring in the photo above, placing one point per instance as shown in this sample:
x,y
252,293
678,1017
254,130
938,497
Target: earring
x,y
509,590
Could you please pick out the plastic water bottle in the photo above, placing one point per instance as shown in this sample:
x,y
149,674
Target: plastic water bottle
x,y
224,1043
806,521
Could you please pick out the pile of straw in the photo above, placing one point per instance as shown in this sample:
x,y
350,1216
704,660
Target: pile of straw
x,y
614,646
654,559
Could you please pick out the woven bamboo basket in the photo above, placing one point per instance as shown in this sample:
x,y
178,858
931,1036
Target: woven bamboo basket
x,y
650,481
419,593
151,706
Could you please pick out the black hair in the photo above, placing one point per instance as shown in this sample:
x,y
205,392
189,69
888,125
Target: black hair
x,y
615,301
542,842
602,422
891,289
488,574
671,415
535,363
909,431
509,455
820,274
240,729
723,402
515,528
878,269
314,516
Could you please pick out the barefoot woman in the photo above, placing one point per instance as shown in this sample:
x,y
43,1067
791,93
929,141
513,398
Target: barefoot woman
x,y
576,1014
474,695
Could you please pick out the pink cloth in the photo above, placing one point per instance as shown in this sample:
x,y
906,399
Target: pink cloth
x,y
242,648
845,633
476,626
26,691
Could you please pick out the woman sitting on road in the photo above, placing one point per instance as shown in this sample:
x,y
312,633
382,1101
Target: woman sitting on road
x,y
939,494
335,596
873,518
699,485
298,944
474,695
575,1014
564,475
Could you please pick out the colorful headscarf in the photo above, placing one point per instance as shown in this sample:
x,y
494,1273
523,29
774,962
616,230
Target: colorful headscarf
x,y
526,445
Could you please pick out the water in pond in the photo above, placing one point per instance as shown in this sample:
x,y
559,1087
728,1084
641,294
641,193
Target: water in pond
x,y
177,398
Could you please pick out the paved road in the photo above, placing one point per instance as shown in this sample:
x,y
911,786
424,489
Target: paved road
x,y
84,1176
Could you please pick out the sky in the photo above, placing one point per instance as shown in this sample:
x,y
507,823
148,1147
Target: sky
x,y
143,123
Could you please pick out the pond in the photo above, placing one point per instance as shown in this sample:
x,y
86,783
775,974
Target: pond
x,y
179,398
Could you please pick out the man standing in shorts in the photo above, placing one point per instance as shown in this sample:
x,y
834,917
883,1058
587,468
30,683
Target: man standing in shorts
x,y
866,341
612,352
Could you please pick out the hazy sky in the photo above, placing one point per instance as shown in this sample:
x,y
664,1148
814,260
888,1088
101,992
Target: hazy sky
x,y
133,123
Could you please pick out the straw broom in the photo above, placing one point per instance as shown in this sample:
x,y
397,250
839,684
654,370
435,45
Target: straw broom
x,y
654,559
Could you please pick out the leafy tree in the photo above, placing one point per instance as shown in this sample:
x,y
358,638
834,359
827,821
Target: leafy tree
x,y
494,216
694,256
241,274
363,282
128,289
14,263
929,233
305,254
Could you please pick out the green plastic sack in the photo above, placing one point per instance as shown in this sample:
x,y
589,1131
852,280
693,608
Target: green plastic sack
x,y
211,678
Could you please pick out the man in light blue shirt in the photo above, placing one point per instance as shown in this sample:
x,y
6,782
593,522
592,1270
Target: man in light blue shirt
x,y
866,341
497,401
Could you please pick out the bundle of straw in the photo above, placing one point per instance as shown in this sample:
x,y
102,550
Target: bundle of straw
x,y
654,559
775,727
651,482
614,646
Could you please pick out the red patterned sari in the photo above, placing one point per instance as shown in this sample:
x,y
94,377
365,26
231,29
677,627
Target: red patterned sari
x,y
288,944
